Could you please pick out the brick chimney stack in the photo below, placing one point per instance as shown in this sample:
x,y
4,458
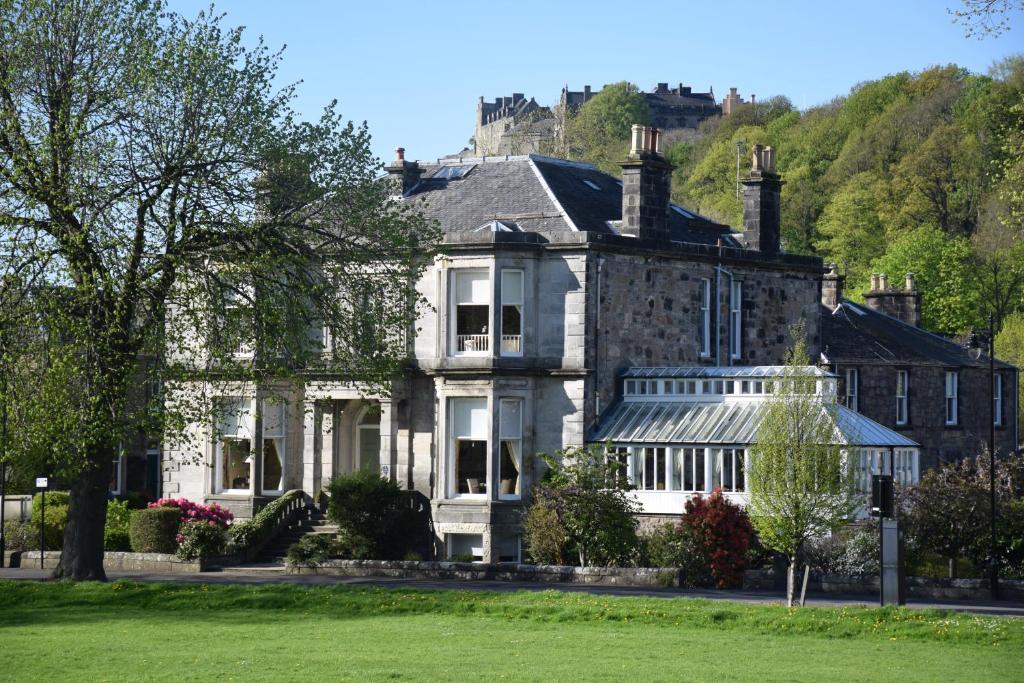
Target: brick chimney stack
x,y
901,303
403,174
762,189
831,288
646,186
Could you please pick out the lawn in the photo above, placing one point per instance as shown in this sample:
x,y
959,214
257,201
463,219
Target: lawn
x,y
134,631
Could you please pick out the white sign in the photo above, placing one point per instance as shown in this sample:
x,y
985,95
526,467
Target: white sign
x,y
42,482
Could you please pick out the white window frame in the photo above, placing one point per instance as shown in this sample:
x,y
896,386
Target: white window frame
x,y
118,473
997,400
486,337
902,397
516,343
705,318
358,450
852,389
453,448
244,432
280,443
952,385
717,458
736,320
517,438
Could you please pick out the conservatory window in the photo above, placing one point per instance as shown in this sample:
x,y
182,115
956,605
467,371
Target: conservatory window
x,y
727,469
511,312
510,433
649,469
619,478
368,431
469,426
736,320
901,396
705,317
691,461
905,466
952,407
472,311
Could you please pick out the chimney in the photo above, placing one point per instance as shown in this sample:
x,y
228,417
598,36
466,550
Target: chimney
x,y
762,189
831,288
403,174
646,186
901,303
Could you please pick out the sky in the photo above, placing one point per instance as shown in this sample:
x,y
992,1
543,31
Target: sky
x,y
414,70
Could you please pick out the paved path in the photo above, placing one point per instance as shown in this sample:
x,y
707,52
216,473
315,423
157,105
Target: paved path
x,y
257,575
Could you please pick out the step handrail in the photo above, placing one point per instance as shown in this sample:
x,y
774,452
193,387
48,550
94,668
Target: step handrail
x,y
248,538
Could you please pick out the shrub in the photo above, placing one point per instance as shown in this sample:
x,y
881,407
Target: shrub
x,y
198,538
544,533
115,533
56,520
196,511
852,551
53,499
676,545
154,530
599,521
353,546
253,532
312,550
372,515
19,536
724,531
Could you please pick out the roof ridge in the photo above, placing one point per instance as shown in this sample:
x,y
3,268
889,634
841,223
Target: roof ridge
x,y
568,162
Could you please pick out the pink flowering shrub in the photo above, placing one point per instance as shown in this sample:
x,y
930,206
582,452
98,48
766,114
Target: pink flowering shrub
x,y
214,514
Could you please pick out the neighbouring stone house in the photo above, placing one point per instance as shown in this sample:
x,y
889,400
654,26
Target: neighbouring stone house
x,y
559,287
917,383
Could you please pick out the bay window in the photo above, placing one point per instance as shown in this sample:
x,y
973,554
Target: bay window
x,y
511,312
468,447
273,446
472,303
510,457
233,447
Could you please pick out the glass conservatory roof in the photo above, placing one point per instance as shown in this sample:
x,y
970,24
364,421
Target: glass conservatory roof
x,y
695,423
719,371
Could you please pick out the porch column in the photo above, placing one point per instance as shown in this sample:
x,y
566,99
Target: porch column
x,y
311,446
256,467
386,433
329,411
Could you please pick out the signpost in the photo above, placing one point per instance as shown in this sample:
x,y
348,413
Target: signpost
x,y
41,484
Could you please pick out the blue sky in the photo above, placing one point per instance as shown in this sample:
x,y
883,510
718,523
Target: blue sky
x,y
414,70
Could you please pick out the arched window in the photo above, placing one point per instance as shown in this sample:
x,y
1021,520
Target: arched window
x,y
368,439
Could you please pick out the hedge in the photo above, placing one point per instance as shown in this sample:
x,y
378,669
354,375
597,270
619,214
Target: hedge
x,y
53,498
257,530
153,530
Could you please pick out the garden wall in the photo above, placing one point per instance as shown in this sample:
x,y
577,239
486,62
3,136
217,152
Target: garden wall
x,y
470,571
917,586
123,562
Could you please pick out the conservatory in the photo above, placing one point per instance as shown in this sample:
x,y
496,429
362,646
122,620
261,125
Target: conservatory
x,y
688,430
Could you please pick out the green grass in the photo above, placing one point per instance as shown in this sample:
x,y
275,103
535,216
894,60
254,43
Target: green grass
x,y
133,631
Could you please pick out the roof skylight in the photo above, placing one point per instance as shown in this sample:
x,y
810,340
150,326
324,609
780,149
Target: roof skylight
x,y
592,185
454,172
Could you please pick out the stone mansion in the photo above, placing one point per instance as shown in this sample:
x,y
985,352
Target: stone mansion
x,y
571,306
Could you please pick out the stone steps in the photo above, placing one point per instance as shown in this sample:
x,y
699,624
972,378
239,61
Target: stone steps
x,y
313,523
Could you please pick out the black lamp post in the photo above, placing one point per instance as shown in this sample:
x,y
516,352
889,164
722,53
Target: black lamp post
x,y
974,349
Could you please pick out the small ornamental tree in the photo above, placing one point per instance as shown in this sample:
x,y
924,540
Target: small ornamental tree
x,y
801,484
724,531
597,517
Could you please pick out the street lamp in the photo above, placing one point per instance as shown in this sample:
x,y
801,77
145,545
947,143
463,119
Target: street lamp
x,y
974,348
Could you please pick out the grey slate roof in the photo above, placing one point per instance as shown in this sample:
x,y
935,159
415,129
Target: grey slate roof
x,y
541,194
855,334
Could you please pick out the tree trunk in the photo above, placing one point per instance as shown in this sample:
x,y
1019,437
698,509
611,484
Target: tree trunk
x,y
82,555
790,581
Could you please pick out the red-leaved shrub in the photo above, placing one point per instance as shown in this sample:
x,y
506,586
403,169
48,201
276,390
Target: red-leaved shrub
x,y
724,530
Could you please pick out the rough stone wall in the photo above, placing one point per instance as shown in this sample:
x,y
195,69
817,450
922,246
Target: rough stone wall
x,y
940,443
650,315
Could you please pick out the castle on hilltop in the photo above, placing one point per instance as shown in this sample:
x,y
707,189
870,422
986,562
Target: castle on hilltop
x,y
518,125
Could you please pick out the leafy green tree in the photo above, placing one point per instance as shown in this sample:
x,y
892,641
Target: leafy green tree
x,y
851,232
161,200
801,482
1010,347
599,131
942,267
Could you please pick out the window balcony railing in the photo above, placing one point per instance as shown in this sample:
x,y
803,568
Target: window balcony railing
x,y
511,343
472,343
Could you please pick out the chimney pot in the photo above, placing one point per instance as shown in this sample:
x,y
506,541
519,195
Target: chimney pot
x,y
909,282
902,304
400,154
883,281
